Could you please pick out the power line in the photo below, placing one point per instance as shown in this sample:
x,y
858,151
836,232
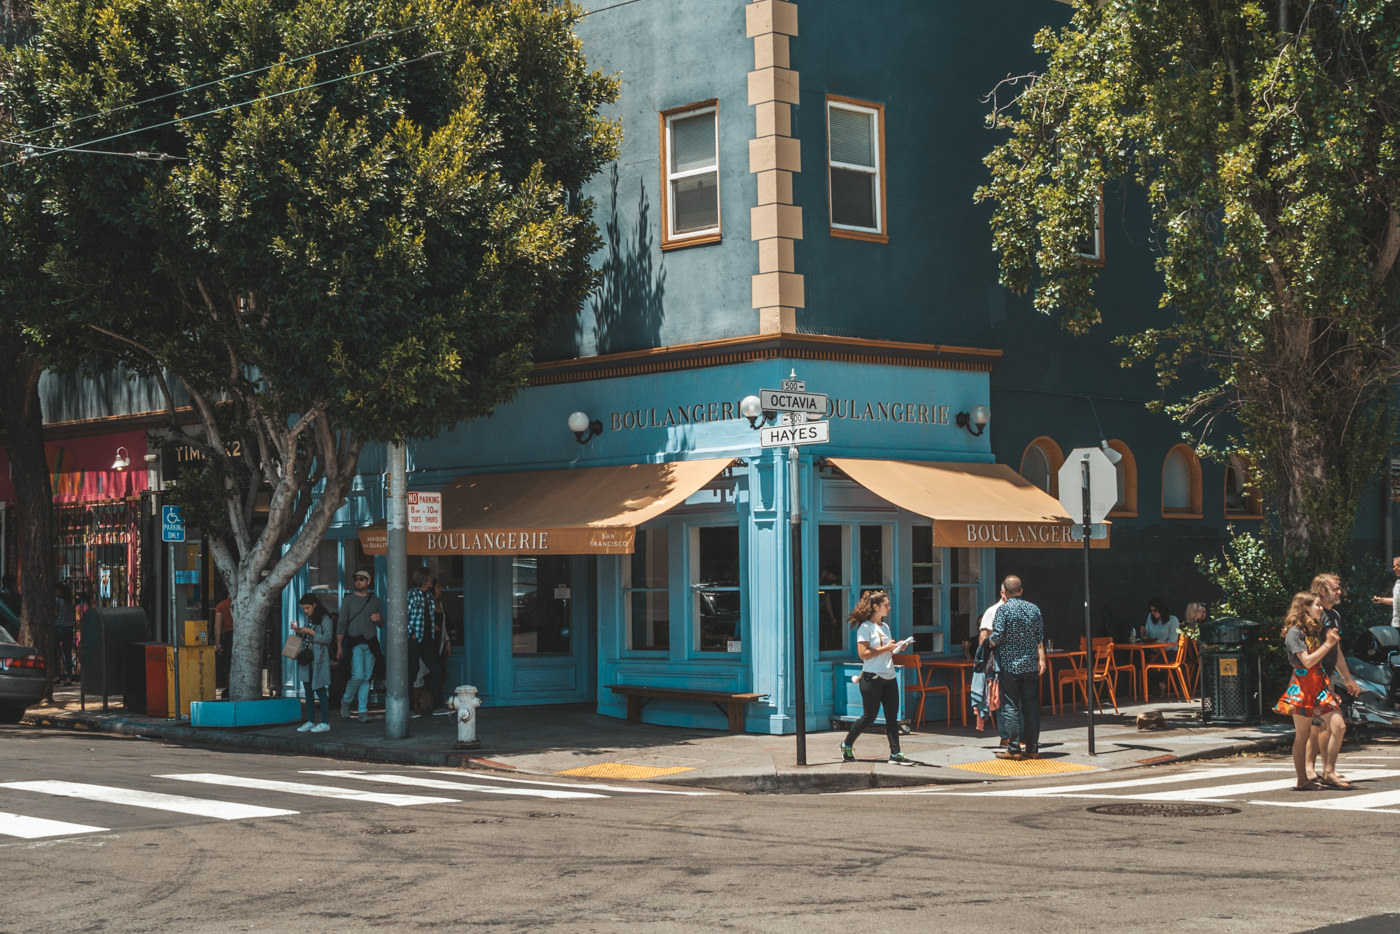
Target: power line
x,y
80,147
234,77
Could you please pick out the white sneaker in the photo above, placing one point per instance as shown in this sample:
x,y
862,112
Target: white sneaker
x,y
306,727
321,728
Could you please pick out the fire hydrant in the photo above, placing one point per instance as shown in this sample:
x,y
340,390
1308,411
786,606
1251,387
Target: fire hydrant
x,y
465,702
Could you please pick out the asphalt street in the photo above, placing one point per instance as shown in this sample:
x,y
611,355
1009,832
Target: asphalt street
x,y
106,833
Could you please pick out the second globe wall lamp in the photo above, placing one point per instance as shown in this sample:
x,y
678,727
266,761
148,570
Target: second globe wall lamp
x,y
585,429
751,408
975,421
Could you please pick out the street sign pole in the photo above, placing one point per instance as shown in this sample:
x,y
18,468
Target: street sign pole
x,y
1098,481
172,530
1088,629
799,656
396,682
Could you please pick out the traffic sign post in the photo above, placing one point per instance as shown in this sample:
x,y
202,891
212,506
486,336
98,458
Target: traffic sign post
x,y
172,532
1097,494
801,424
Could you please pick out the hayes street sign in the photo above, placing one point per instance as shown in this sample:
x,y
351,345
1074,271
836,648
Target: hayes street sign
x,y
782,435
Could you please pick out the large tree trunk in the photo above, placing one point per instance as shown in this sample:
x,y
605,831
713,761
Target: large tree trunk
x,y
22,416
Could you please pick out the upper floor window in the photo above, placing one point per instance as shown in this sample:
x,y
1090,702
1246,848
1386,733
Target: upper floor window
x,y
1126,468
855,140
1091,248
1041,463
1181,484
1242,499
690,157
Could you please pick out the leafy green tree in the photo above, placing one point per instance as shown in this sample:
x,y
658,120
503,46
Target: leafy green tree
x,y
350,222
23,297
1266,137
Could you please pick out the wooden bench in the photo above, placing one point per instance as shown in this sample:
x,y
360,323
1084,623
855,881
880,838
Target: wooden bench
x,y
729,703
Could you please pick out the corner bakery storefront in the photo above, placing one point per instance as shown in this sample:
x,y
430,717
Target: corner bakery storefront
x,y
664,554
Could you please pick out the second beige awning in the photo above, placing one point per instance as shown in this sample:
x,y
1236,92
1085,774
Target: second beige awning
x,y
971,505
589,510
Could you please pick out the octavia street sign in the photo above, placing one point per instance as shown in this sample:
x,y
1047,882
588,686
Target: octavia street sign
x,y
785,400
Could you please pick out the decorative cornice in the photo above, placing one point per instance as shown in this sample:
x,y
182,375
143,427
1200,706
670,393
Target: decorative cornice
x,y
735,350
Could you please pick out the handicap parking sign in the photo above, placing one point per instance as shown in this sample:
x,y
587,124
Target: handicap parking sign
x,y
172,524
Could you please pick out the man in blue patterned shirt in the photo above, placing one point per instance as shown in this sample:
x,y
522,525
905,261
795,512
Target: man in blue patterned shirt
x,y
1018,638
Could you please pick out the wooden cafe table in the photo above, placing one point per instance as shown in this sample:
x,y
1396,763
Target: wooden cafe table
x,y
962,665
1144,652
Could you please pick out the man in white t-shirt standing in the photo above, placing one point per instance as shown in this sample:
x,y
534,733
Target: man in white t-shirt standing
x,y
984,629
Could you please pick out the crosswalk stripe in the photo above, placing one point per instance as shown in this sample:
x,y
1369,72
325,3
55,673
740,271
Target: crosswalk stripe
x,y
423,782
1174,778
1215,792
32,828
622,788
200,807
1347,801
315,791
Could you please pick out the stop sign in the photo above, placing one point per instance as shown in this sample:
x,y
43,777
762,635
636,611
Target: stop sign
x,y
1103,484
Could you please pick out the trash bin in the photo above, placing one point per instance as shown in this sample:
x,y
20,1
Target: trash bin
x,y
1231,689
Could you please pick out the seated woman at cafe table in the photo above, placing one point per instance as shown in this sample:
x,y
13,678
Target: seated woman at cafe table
x,y
1161,625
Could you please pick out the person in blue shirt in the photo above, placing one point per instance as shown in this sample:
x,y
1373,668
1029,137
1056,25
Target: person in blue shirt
x,y
1018,639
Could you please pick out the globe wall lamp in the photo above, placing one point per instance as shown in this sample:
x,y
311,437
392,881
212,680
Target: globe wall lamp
x,y
585,429
752,409
975,422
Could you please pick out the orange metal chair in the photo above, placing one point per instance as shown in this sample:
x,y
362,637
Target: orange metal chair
x,y
1130,668
1176,668
1102,674
922,688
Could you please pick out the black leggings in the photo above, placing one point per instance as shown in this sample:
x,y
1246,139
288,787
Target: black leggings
x,y
874,693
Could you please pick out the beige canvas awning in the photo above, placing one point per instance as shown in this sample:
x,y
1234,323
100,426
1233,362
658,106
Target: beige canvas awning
x,y
590,510
971,505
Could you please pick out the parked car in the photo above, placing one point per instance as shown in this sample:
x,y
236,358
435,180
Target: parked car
x,y
21,673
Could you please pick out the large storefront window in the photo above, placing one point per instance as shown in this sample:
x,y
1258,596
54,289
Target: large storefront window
x,y
946,582
323,575
834,587
714,585
447,571
646,591
964,576
926,598
541,592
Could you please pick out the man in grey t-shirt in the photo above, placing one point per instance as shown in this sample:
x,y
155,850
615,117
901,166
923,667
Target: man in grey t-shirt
x,y
361,614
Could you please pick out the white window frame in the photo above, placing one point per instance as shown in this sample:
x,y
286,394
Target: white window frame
x,y
670,237
877,130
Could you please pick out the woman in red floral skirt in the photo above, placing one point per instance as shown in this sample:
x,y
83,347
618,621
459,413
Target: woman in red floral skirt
x,y
1308,697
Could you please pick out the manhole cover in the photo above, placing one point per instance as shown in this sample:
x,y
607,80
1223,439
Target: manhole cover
x,y
1143,809
548,814
390,830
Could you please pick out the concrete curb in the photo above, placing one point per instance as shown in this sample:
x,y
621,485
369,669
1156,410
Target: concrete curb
x,y
765,779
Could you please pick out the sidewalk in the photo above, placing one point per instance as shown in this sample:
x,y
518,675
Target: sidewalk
x,y
572,740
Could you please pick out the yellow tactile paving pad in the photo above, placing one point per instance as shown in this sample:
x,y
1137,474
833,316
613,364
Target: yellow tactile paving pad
x,y
623,770
1019,767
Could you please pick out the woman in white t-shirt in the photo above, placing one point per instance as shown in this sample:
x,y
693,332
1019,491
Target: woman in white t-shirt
x,y
878,685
